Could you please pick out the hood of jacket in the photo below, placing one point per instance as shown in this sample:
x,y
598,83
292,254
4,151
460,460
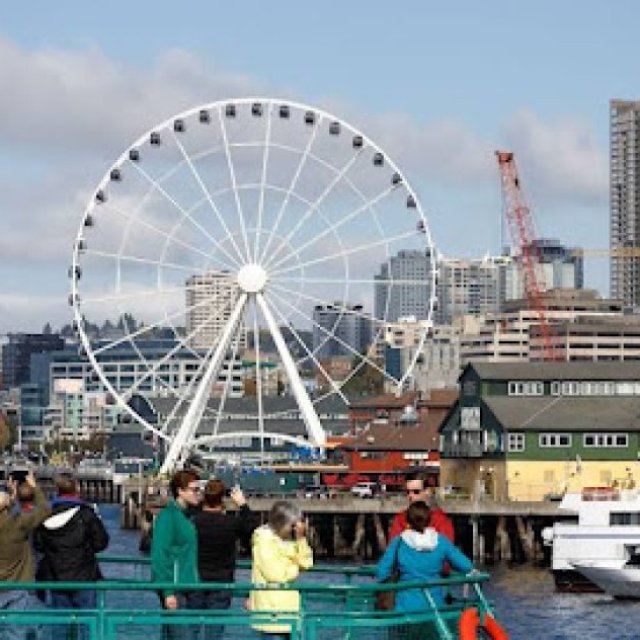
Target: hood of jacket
x,y
60,518
425,541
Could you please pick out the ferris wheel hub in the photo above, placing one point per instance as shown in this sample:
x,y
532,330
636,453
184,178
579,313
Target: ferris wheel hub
x,y
252,278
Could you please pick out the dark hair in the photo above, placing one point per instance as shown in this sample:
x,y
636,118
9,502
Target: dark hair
x,y
214,493
66,484
416,475
25,492
418,516
181,480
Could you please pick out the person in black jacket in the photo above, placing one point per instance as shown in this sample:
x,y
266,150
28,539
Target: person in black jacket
x,y
69,540
218,533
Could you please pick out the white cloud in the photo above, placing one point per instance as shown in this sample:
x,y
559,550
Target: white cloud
x,y
562,159
69,100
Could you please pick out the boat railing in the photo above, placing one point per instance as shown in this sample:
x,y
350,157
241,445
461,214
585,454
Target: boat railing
x,y
336,602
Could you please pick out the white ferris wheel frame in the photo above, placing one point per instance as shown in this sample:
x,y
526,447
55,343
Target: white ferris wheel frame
x,y
252,279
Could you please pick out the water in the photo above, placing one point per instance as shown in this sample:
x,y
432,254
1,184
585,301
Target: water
x,y
524,599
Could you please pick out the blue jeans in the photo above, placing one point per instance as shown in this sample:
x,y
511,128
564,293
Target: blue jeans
x,y
208,600
18,601
74,600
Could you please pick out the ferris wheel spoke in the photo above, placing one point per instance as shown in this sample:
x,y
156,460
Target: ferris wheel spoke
x,y
183,397
208,196
339,340
182,344
142,293
140,260
310,355
337,305
189,425
227,384
155,325
232,175
314,206
341,254
256,346
263,180
332,228
185,213
391,282
292,185
168,236
314,427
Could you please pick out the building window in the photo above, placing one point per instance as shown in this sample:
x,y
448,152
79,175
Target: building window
x,y
515,442
618,440
554,440
526,388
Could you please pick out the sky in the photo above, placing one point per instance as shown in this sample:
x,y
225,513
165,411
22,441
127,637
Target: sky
x,y
438,85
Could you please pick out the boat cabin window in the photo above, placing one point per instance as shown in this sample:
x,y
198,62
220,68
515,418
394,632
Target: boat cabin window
x,y
624,518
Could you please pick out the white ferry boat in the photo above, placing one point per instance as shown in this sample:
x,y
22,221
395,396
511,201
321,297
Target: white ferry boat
x,y
604,532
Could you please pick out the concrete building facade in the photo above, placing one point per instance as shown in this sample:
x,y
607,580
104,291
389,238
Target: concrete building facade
x,y
624,196
393,301
210,299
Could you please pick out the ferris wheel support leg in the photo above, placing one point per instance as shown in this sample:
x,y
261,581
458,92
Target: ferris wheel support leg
x,y
187,430
314,427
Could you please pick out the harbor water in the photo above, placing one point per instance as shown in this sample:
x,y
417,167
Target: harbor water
x,y
524,599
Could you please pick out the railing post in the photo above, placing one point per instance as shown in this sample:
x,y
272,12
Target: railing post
x,y
101,618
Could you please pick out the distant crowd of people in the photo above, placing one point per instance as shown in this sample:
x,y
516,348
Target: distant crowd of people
x,y
194,541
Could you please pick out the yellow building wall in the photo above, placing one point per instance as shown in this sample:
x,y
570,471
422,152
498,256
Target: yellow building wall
x,y
534,480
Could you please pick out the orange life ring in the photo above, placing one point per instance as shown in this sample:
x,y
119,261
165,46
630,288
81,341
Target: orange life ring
x,y
470,623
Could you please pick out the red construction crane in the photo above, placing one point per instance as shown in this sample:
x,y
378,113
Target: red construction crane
x,y
523,236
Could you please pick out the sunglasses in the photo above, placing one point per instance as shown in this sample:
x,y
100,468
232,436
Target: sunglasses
x,y
415,492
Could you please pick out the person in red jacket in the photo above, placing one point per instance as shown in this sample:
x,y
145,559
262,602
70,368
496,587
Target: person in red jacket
x,y
417,490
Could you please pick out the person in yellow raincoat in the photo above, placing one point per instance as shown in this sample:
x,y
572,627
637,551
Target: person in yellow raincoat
x,y
279,550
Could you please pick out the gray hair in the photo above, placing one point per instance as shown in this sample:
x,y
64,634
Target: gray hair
x,y
283,514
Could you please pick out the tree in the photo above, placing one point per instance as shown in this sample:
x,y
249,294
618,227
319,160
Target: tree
x,y
47,330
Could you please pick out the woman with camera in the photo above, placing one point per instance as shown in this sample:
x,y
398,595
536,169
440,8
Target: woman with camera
x,y
279,550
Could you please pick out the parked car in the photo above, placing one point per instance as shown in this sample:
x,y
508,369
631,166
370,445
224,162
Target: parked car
x,y
364,489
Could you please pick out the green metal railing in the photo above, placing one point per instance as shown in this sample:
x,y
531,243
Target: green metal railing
x,y
338,604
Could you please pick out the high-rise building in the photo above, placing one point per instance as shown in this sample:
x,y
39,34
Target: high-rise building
x,y
16,355
624,185
394,301
348,323
210,300
560,267
471,287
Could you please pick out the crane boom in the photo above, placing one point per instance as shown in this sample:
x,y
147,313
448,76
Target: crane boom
x,y
523,236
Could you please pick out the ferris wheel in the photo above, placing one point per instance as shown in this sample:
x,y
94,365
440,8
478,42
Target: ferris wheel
x,y
260,239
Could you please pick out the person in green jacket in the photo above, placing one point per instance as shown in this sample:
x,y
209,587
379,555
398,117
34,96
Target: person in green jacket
x,y
174,546
17,563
